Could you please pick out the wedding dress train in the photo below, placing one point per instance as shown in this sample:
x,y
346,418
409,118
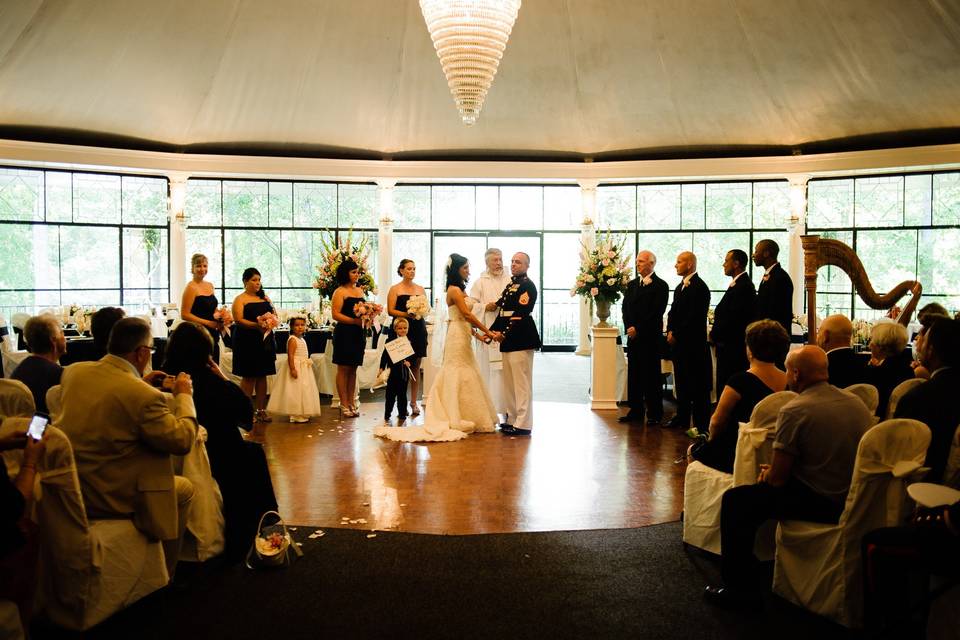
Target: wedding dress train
x,y
458,403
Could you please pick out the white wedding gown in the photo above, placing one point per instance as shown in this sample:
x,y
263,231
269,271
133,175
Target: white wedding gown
x,y
458,403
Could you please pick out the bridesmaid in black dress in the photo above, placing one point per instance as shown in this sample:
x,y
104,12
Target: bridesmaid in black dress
x,y
348,339
397,299
199,302
254,355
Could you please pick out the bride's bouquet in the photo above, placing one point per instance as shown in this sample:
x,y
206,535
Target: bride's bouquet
x,y
223,316
268,322
369,314
418,307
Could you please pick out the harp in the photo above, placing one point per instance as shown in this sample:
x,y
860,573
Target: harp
x,y
819,252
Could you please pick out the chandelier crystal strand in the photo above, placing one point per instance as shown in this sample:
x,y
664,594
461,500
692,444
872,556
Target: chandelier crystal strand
x,y
470,37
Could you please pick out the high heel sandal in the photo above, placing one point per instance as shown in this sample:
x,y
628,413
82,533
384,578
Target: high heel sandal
x,y
414,409
347,412
264,416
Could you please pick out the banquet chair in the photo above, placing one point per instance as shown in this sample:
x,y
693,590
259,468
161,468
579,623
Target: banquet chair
x,y
12,360
6,340
898,392
818,565
324,370
204,537
951,474
90,569
54,400
867,393
19,321
15,399
703,486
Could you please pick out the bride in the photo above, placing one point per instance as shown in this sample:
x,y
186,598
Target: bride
x,y
459,402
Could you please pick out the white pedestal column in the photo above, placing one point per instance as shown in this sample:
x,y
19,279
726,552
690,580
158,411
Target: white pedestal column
x,y
178,235
385,266
797,226
603,376
588,235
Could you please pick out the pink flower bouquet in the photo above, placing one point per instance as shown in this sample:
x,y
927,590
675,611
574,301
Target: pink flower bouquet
x,y
223,316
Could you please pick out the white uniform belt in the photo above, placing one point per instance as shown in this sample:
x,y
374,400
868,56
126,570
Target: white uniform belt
x,y
505,314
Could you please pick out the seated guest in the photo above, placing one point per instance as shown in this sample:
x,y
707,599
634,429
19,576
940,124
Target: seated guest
x,y
40,370
889,363
925,317
813,454
845,365
101,323
767,343
19,543
935,402
123,435
239,467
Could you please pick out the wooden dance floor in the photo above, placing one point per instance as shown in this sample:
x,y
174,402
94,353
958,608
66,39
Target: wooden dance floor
x,y
579,470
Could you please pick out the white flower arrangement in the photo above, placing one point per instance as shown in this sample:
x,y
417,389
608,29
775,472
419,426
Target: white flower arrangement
x,y
861,331
418,307
604,270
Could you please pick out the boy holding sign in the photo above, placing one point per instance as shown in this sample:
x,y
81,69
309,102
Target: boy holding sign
x,y
397,353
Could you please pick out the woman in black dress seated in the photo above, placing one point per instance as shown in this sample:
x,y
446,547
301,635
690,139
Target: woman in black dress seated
x,y
254,351
348,340
239,466
199,302
767,343
397,299
889,361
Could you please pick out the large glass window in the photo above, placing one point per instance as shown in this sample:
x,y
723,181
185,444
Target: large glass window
x,y
82,238
902,227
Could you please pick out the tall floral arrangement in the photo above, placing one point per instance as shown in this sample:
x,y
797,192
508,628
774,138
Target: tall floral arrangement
x,y
604,270
333,253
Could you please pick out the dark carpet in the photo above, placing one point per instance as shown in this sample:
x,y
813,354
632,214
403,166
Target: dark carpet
x,y
633,583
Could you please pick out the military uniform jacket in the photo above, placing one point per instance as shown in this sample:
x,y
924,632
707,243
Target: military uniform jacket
x,y
514,320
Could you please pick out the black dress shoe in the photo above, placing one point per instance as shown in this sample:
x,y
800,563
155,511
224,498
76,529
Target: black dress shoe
x,y
630,417
731,598
654,422
510,430
677,424
504,425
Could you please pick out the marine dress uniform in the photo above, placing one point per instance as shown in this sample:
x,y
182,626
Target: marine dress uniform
x,y
520,340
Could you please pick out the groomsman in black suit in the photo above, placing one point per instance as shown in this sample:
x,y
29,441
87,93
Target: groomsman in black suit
x,y
775,295
644,304
846,366
687,334
736,309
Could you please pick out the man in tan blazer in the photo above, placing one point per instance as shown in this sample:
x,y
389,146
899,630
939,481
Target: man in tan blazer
x,y
123,435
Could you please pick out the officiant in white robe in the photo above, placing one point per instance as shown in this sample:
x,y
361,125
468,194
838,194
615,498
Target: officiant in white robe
x,y
486,290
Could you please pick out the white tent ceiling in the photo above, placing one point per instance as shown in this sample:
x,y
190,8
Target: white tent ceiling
x,y
603,78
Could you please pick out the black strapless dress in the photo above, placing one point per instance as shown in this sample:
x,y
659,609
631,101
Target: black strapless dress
x,y
348,341
418,329
254,355
204,307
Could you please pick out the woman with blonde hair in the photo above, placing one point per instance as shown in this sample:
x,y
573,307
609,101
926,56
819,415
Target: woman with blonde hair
x,y
199,302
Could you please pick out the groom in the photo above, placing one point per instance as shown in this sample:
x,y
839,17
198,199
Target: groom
x,y
518,340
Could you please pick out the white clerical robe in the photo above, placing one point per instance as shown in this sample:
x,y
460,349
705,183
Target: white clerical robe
x,y
485,290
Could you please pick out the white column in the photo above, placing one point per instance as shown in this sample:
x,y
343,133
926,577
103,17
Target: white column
x,y
588,202
797,226
178,234
603,370
385,239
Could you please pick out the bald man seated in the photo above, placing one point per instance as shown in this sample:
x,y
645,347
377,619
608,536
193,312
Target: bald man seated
x,y
847,367
813,454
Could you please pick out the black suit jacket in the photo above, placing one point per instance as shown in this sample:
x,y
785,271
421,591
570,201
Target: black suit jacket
x,y
736,309
847,367
775,298
688,314
887,376
935,404
643,307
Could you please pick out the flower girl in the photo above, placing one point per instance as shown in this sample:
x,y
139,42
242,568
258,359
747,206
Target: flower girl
x,y
295,392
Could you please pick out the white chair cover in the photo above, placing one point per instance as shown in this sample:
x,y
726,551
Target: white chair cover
x,y
204,538
15,399
54,402
19,320
703,486
324,370
6,336
89,570
12,360
951,474
818,565
898,392
10,627
867,393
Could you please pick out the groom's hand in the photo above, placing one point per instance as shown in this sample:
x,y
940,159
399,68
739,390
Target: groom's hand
x,y
492,306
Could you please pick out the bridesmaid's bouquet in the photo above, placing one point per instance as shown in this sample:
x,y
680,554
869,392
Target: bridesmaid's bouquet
x,y
268,322
418,307
223,316
369,314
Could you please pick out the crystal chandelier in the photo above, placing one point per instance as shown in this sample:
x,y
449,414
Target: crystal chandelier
x,y
470,37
